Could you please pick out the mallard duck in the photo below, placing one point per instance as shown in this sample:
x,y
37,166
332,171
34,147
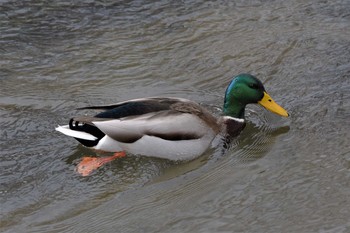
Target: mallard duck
x,y
169,128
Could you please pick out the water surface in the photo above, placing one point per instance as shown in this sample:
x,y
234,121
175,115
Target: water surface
x,y
280,175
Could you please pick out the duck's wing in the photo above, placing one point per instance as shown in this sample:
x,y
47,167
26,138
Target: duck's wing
x,y
136,107
166,118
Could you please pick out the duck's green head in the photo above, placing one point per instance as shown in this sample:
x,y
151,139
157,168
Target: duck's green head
x,y
246,89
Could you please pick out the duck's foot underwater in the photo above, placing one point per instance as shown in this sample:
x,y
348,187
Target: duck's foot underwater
x,y
89,164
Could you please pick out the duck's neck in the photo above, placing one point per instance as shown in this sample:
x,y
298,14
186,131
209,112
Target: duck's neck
x,y
234,109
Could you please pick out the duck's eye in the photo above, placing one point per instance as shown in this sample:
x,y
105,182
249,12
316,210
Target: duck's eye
x,y
254,86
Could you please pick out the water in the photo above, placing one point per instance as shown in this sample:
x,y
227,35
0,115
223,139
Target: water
x,y
280,175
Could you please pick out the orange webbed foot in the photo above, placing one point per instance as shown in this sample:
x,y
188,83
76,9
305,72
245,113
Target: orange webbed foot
x,y
89,164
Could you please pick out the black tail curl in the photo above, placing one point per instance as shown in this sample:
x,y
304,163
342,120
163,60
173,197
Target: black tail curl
x,y
90,129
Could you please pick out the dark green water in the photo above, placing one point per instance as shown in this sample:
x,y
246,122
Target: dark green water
x,y
281,175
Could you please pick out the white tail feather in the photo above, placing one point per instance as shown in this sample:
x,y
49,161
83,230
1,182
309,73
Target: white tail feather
x,y
76,134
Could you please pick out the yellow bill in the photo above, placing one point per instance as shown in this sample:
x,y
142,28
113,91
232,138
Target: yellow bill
x,y
268,103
